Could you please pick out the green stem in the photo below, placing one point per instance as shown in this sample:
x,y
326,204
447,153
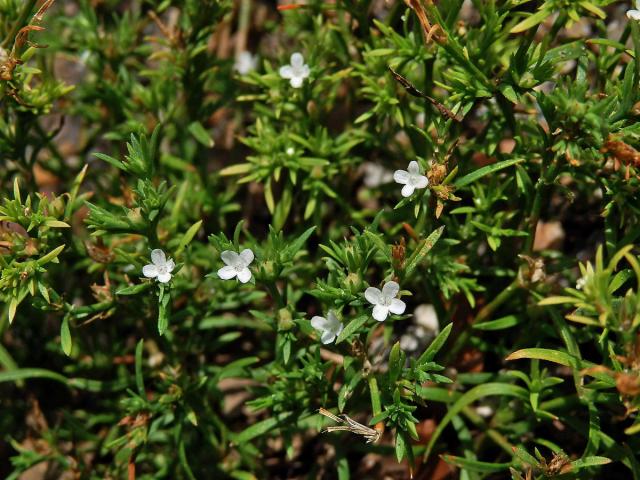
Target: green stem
x,y
545,179
275,294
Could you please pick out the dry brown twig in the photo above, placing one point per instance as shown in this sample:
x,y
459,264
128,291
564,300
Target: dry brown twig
x,y
350,425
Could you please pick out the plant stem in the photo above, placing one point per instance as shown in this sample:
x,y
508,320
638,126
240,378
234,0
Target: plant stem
x,y
275,294
532,222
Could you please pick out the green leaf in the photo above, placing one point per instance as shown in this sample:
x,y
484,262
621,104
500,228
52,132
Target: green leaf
x,y
56,224
589,462
139,374
51,256
16,191
260,428
351,327
422,250
188,236
525,457
65,336
164,310
198,131
116,163
238,169
299,242
531,21
379,243
593,9
26,373
499,324
342,466
481,172
435,346
134,289
396,362
475,465
281,212
401,446
236,368
561,358
13,306
558,300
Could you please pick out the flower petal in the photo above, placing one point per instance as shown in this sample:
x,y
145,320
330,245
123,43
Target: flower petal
x,y
407,190
332,321
170,265
164,277
338,331
158,257
390,289
230,258
420,181
380,313
297,60
246,256
373,295
244,275
634,14
319,323
296,82
150,271
401,176
397,306
304,71
327,337
286,71
414,167
227,273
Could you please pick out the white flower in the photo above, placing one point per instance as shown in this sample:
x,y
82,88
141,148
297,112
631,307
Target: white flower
x,y
290,151
329,327
582,281
384,301
296,72
245,63
159,267
411,179
236,265
634,14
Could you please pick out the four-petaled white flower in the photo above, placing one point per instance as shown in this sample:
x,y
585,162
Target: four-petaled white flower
x,y
634,14
160,268
411,179
329,327
236,265
245,63
384,301
296,72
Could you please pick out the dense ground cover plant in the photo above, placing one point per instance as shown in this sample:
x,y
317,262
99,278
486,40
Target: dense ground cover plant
x,y
227,226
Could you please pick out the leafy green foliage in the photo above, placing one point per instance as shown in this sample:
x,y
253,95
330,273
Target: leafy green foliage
x,y
129,128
